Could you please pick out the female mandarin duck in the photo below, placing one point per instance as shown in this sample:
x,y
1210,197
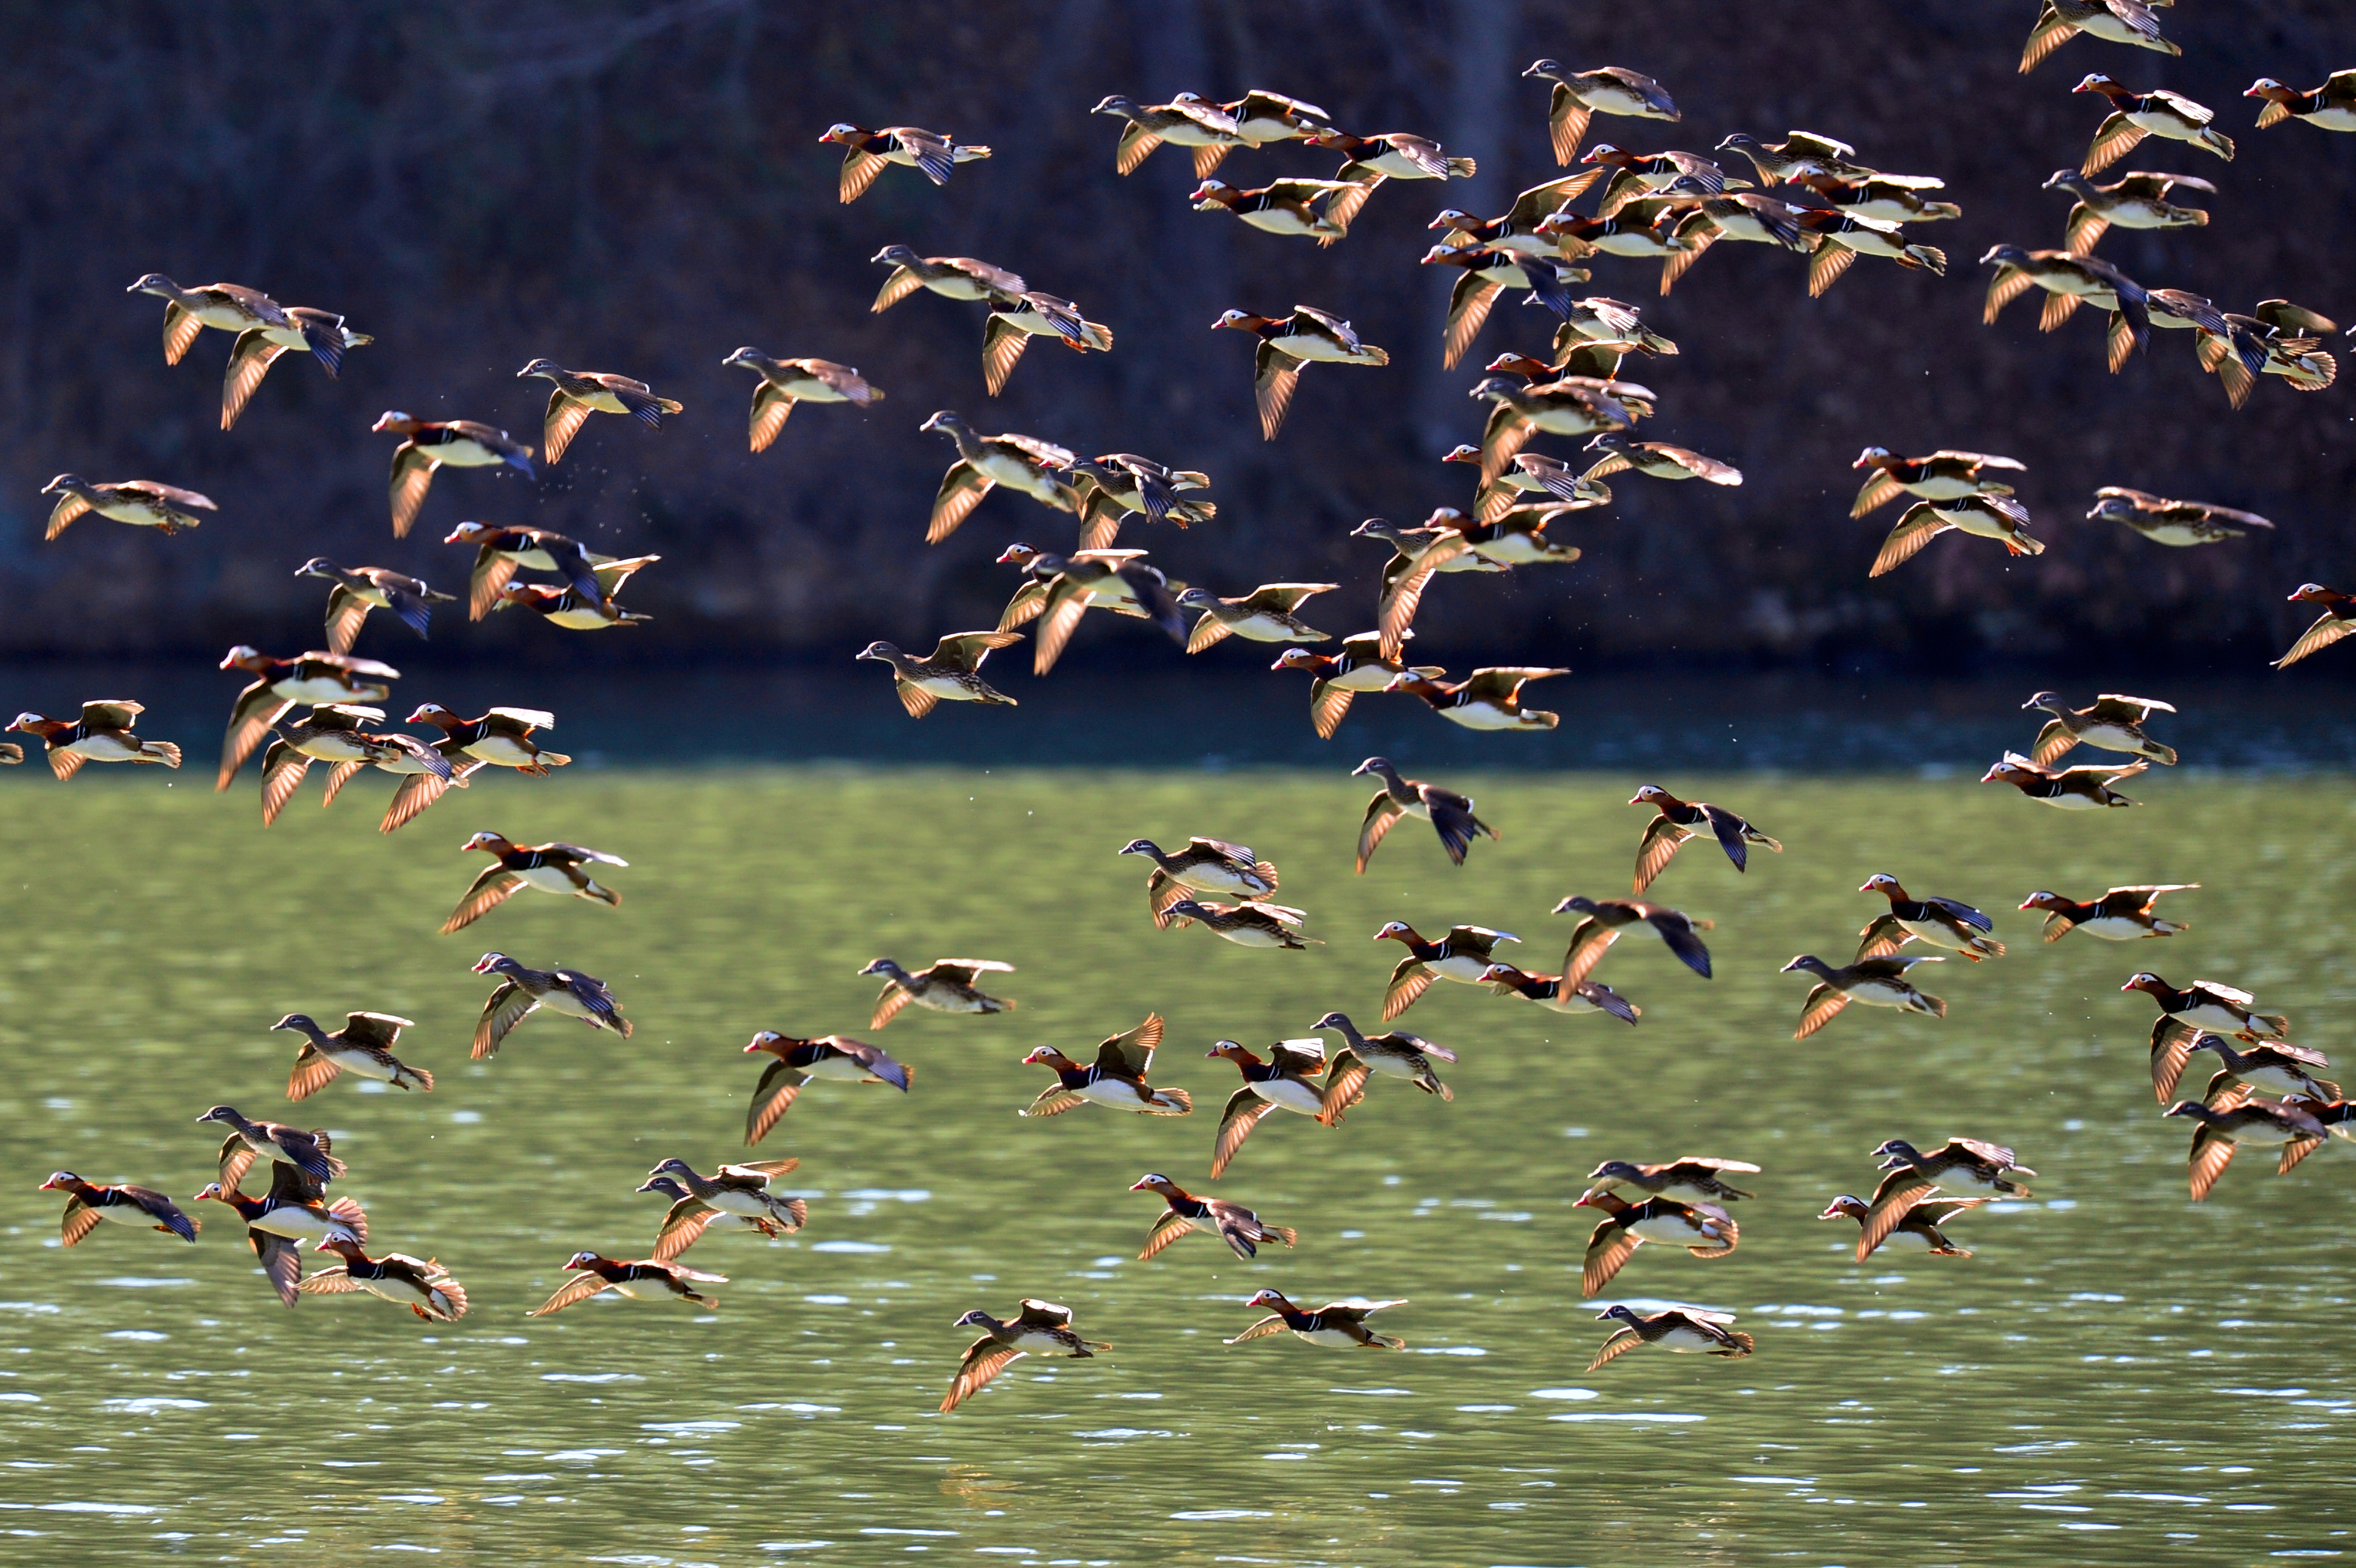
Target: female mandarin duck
x,y
1516,230
2070,281
1944,475
645,1279
1688,1179
984,462
1012,323
1306,337
1397,1054
1251,924
1187,121
1942,922
2085,788
103,734
1876,982
309,1152
523,991
1608,90
2134,201
580,393
322,333
1301,207
1999,518
142,503
2206,1004
551,867
932,154
1116,1079
1917,1230
363,1047
2114,724
2339,618
835,1057
338,733
951,672
2277,1065
1463,955
1338,678
960,278
1658,460
1238,1227
360,590
689,1220
2263,1124
2134,115
947,985
420,1285
1338,1325
499,551
1418,554
1961,1164
1571,405
1702,1229
1278,1082
741,1189
87,1203
1390,155
1062,589
2116,21
1119,484
224,307
1677,823
785,382
279,684
431,444
1607,918
1264,615
1450,814
1039,1328
1485,700
1679,1328
1204,865
2331,107
2174,522
2121,915
1556,994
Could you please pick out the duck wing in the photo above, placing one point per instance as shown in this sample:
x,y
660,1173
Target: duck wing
x,y
1166,1230
987,1356
1621,1343
1823,1005
683,1225
1920,524
494,888
1452,818
1244,1110
1608,1249
281,1263
1382,813
1131,1053
1662,840
1410,979
412,476
1589,940
581,1287
1345,1085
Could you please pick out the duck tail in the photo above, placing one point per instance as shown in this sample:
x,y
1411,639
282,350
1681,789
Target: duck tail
x,y
414,1075
1929,256
1463,168
162,751
1384,1342
605,895
1935,1005
1747,1343
1283,1234
546,760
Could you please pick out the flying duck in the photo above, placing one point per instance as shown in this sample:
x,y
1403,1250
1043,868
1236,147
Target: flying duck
x,y
932,154
947,985
2259,1122
1388,155
363,1047
1281,1081
1960,1164
1658,459
1463,955
2070,281
501,551
2331,107
1676,821
315,678
1264,615
1644,229
1608,90
2337,619
1338,1325
2116,21
1019,462
785,382
1262,116
1395,1054
1877,982
1012,323
689,1219
1252,924
143,503
1688,1179
1999,518
1488,699
103,734
573,610
1702,1229
1300,206
2282,1071
951,672
1573,405
1484,272
360,590
1340,677
1204,865
2206,1004
276,1226
2121,915
2134,115
798,1061
87,1203
502,737
2166,521
643,1279
1839,238
430,443
338,733
1119,484
224,307
309,1152
2136,201
1799,152
1553,993
741,1189
1070,586
959,278
1942,476
2085,788
1116,1079
1942,922
1530,474
1729,215
1187,121
322,333
1884,198
420,1285
1637,175
2276,339
1418,554
551,867
1917,1230
1238,1227
523,991
1679,1328
1516,230
1607,918
1040,1328
1450,814
580,393
2113,724
1308,335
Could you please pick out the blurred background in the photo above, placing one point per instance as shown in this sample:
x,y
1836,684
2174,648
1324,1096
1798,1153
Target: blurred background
x,y
639,188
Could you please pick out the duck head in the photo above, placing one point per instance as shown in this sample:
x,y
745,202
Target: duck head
x,y
672,1166
1601,1197
542,368
62,1181
884,966
583,1260
2317,594
488,842
774,1044
1214,193
227,1113
1242,1055
319,566
2051,903
2005,256
1154,1181
1494,387
1848,1206
2066,179
211,1189
1654,795
2011,771
944,419
665,1185
1577,904
1267,1299
2049,700
885,651
1615,1170
1619,1312
1297,658
243,657
2144,981
1882,882
2096,82
155,283
750,358
1332,1021
1897,1149
1522,365
1244,321
434,713
301,1023
1047,1056
895,255
1186,908
1376,765
34,723
850,135
396,422
1142,847
495,961
1396,931
1807,961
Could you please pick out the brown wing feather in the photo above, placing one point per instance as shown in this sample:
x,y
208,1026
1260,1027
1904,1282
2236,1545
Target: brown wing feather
x,y
508,1007
2051,32
1272,1323
1607,1251
1276,377
412,476
773,1098
2322,634
2008,284
1619,1344
1662,841
888,1004
80,1220
1409,981
1001,350
903,283
2295,1151
492,572
282,775
1916,528
1166,1230
914,698
1588,946
1823,1005
1382,812
772,406
2115,138
1895,1200
1831,261
282,1264
1567,120
1328,704
417,791
1054,1101
984,1361
860,169
1879,490
491,889
181,330
1473,299
1345,1085
1056,629
312,1073
565,418
579,1288
680,1229
962,491
2210,1156
248,363
1243,1111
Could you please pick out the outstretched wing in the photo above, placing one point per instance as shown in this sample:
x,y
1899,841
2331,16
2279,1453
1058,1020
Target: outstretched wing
x,y
985,1360
1131,1053
1822,1004
1244,1110
1410,979
1619,1344
1272,1323
1607,1251
1918,526
1166,1230
581,1287
1345,1085
1382,812
491,889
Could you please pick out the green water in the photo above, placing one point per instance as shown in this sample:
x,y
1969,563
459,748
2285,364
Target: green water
x,y
2117,1376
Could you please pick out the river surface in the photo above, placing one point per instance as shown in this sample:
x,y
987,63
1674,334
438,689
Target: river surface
x,y
2117,1376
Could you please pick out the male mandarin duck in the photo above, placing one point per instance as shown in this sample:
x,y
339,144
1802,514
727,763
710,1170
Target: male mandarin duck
x,y
499,551
2276,339
1516,230
1254,923
338,733
2134,115
1688,1179
1485,272
1119,484
1338,678
2133,201
1608,90
2070,281
1308,335
363,1047
1942,922
1281,1081
224,307
87,1203
1238,1227
322,333
577,394
1999,518
1338,1325
1960,1164
741,1189
1877,982
1917,1229
2282,1067
1637,175
420,1285
1529,475
523,991
2207,1005
1677,823
984,462
1262,116
1839,238
1450,814
103,734
951,672
2114,724
945,985
276,1226
1571,405
2116,21
1264,615
314,677
960,278
689,1220
1882,198
1292,206
573,610
1116,1079
1486,700
2337,619
428,445
311,1152
1556,994
360,590
1944,475
785,382
1418,554
1645,228
2174,522
551,867
1012,323
1679,1328
1397,1054
2262,1123
1039,1328
2121,915
932,154
645,1279
502,737
1063,588
2331,107
1702,1229
1390,155
143,503
1516,536
2085,788
1463,955
1187,121
1742,215
1605,920
830,1056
